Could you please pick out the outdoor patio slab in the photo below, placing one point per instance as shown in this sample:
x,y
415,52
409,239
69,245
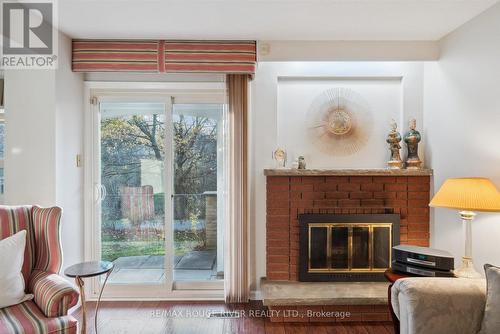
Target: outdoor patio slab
x,y
197,260
131,261
153,262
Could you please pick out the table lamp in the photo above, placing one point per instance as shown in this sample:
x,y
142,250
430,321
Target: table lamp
x,y
467,195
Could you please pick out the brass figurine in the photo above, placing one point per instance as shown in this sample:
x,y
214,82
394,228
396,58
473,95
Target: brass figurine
x,y
393,139
412,138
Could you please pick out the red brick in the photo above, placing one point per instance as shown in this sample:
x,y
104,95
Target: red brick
x,y
372,202
277,211
277,234
401,179
301,204
271,258
337,179
418,203
360,179
313,195
276,196
419,179
274,267
325,187
384,179
421,243
278,276
278,219
302,187
349,202
384,195
278,187
278,180
325,203
417,235
419,195
402,195
313,180
336,195
424,227
277,251
418,219
296,179
418,211
277,203
395,203
349,187
418,186
279,243
277,227
395,187
360,195
372,187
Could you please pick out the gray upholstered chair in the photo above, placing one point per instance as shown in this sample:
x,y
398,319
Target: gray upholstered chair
x,y
439,305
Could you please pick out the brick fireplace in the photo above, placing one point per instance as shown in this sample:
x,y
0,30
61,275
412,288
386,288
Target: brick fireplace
x,y
291,193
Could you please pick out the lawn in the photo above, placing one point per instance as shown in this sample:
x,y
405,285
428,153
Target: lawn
x,y
118,244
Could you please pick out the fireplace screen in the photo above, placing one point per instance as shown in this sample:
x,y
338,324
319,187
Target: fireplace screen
x,y
345,247
349,247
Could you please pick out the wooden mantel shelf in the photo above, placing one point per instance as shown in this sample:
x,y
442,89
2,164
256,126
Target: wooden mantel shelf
x,y
347,172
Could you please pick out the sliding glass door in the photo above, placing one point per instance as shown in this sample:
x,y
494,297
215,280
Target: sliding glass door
x,y
132,190
158,184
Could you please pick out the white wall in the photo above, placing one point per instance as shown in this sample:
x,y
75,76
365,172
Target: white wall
x,y
462,123
348,50
30,171
301,108
263,127
43,135
69,143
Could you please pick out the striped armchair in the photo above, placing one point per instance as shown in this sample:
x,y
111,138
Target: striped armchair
x,y
47,312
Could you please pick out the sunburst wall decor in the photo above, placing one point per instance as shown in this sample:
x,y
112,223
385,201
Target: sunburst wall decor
x,y
339,121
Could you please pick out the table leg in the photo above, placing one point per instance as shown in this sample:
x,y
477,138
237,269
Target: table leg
x,y
99,299
79,283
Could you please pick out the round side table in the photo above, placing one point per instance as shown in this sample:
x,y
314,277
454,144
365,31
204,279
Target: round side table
x,y
84,270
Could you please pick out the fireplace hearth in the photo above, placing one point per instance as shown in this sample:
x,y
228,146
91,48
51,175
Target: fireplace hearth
x,y
354,247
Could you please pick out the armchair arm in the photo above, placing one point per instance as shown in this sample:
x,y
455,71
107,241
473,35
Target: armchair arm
x,y
439,305
52,293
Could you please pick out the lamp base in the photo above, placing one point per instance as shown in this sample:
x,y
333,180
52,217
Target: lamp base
x,y
467,270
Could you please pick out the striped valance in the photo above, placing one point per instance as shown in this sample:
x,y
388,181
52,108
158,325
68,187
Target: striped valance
x,y
164,56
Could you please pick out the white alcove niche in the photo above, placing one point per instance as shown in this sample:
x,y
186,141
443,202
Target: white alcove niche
x,y
383,96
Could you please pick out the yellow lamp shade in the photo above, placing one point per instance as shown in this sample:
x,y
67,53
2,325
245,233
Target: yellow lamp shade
x,y
468,194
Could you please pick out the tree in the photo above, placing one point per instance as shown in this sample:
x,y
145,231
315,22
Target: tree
x,y
127,140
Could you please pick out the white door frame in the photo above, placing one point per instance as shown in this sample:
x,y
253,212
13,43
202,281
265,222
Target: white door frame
x,y
182,92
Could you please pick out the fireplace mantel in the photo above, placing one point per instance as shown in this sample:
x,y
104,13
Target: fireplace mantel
x,y
347,172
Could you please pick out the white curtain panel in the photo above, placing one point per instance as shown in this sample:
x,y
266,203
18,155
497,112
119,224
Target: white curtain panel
x,y
236,267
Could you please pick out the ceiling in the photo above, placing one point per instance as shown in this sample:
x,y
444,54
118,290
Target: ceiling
x,y
267,19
